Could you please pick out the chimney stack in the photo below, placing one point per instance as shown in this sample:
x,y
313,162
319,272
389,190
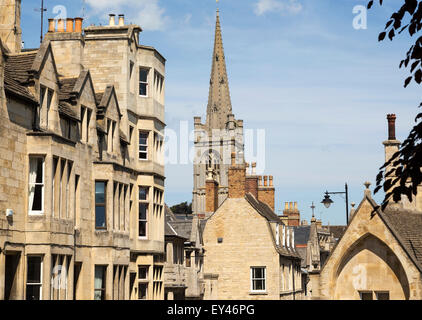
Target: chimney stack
x,y
112,20
251,182
391,126
211,193
237,178
266,193
121,19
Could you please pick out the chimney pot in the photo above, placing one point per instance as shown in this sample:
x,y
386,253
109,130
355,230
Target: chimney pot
x,y
286,206
78,24
271,181
391,126
69,25
51,25
60,25
265,181
112,20
290,205
295,205
121,19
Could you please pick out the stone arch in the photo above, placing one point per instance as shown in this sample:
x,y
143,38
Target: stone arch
x,y
369,264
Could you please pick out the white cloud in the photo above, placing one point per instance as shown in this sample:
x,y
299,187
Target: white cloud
x,y
146,13
280,6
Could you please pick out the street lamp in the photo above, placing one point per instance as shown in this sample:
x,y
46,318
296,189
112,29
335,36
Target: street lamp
x,y
327,201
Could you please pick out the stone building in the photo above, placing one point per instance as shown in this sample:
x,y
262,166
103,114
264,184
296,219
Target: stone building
x,y
380,254
81,162
249,253
188,255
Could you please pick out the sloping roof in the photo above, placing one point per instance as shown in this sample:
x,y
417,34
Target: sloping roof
x,y
407,228
16,88
20,65
337,231
262,208
67,88
99,97
302,253
169,213
67,110
183,228
17,73
302,234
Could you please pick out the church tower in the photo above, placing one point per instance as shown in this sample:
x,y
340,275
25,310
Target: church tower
x,y
217,138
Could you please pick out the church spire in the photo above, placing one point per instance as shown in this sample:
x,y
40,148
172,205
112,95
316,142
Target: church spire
x,y
219,104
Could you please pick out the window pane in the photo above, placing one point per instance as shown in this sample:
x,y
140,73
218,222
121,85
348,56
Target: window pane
x,y
366,295
142,273
100,217
99,192
99,283
259,285
142,89
143,210
99,275
143,138
143,75
383,296
142,155
39,170
143,148
142,291
143,193
37,203
34,270
142,229
258,273
98,295
33,292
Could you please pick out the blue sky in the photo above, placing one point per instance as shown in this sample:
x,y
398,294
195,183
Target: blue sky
x,y
297,68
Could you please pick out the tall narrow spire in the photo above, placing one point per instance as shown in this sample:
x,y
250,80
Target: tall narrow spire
x,y
219,104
